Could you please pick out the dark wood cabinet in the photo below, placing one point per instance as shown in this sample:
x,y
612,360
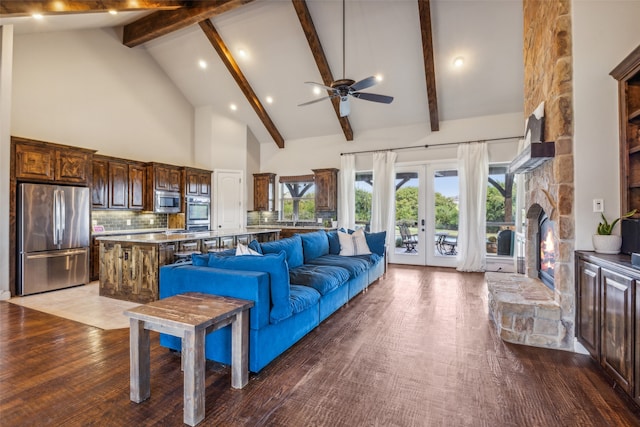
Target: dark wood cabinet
x,y
197,182
136,185
45,161
164,177
607,315
100,184
627,73
117,183
94,252
617,326
588,303
326,183
264,190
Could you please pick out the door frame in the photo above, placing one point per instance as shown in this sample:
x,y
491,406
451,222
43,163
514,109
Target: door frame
x,y
241,218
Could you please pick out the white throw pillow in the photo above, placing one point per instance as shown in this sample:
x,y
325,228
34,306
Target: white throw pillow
x,y
245,250
353,244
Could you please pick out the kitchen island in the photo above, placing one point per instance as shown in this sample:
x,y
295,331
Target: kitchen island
x,y
130,264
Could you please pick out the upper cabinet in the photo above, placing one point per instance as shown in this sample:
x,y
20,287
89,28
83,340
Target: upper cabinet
x,y
164,177
628,76
197,182
326,181
117,183
264,190
43,161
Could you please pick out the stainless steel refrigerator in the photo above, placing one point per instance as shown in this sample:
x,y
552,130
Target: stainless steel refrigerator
x,y
53,237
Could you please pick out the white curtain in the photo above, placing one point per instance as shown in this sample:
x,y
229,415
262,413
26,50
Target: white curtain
x,y
383,197
347,202
473,170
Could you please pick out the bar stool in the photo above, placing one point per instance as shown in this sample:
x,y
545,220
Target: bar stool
x,y
211,245
184,255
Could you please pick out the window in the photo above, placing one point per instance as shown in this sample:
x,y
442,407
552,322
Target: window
x,y
501,191
364,190
298,201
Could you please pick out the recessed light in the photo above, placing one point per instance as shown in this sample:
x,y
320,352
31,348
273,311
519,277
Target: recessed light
x,y
379,77
233,107
202,64
242,53
37,16
458,62
113,12
269,100
316,90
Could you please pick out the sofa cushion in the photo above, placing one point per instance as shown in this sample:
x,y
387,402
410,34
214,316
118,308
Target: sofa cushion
x,y
314,244
291,245
200,260
276,266
302,297
334,242
255,245
376,242
354,265
371,258
322,278
353,244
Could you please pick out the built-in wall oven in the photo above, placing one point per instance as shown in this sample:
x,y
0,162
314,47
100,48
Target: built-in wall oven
x,y
198,213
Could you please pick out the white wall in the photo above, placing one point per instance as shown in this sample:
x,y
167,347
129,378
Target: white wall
x,y
300,156
85,88
604,33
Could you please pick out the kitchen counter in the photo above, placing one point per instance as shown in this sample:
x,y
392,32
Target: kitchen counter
x,y
130,263
169,236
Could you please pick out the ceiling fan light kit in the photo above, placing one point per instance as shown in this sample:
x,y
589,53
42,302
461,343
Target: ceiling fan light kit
x,y
347,87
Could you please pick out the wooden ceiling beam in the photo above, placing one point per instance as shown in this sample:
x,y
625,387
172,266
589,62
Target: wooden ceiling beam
x,y
46,7
321,60
424,9
164,22
224,53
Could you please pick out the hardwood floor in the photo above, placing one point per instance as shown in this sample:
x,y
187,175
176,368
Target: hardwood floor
x,y
417,349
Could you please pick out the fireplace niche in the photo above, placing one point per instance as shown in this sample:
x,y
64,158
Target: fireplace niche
x,y
546,250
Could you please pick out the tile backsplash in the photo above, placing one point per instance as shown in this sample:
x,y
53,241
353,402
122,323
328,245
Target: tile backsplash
x,y
113,220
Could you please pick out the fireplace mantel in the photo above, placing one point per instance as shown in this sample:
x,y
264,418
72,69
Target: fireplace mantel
x,y
534,155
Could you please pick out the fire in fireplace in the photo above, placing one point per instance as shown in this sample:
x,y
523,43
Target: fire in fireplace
x,y
547,250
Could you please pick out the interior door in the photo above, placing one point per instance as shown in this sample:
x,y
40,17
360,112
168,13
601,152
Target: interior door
x,y
228,199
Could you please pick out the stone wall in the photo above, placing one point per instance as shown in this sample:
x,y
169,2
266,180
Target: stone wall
x,y
548,77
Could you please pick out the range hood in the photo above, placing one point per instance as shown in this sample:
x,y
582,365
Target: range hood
x,y
533,155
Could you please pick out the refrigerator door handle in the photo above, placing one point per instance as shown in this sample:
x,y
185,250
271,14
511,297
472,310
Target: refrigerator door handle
x,y
63,214
55,254
56,214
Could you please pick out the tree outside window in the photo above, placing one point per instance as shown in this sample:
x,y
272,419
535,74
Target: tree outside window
x,y
298,201
500,211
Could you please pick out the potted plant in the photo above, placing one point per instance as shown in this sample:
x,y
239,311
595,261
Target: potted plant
x,y
604,242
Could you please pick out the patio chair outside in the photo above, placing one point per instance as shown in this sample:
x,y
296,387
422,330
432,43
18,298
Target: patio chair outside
x,y
408,240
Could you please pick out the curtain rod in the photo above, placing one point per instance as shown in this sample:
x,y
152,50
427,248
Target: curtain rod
x,y
434,145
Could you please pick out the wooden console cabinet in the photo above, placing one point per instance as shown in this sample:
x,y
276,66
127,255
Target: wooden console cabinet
x,y
607,315
627,73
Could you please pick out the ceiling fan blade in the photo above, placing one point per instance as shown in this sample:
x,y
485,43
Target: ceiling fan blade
x,y
345,107
373,97
320,85
317,100
363,84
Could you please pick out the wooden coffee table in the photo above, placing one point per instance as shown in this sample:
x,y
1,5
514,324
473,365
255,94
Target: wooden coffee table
x,y
190,316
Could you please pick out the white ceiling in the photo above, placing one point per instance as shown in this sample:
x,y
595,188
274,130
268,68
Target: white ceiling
x,y
382,37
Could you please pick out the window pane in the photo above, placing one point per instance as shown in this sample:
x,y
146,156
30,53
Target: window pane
x,y
298,201
500,212
364,189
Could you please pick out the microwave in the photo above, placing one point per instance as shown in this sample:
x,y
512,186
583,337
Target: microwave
x,y
167,202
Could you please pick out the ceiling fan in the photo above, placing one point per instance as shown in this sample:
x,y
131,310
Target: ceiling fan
x,y
344,88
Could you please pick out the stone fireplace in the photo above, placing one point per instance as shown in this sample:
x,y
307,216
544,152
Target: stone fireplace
x,y
524,309
546,250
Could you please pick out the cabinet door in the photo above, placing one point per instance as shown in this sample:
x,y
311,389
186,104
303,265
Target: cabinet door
x,y
94,269
191,186
204,184
72,166
118,185
326,181
161,175
617,327
34,162
136,186
100,185
174,179
588,307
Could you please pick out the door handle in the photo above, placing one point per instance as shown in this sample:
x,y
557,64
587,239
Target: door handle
x,y
422,222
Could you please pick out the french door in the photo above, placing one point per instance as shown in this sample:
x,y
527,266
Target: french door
x,y
426,220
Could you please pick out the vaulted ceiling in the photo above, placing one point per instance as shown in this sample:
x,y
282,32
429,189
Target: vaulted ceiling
x,y
257,55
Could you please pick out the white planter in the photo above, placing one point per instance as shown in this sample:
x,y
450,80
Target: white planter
x,y
607,243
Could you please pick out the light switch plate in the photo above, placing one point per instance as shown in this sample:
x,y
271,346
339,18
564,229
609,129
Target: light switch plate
x,y
598,205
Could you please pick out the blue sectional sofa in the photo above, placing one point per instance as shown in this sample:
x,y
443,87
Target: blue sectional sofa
x,y
296,283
